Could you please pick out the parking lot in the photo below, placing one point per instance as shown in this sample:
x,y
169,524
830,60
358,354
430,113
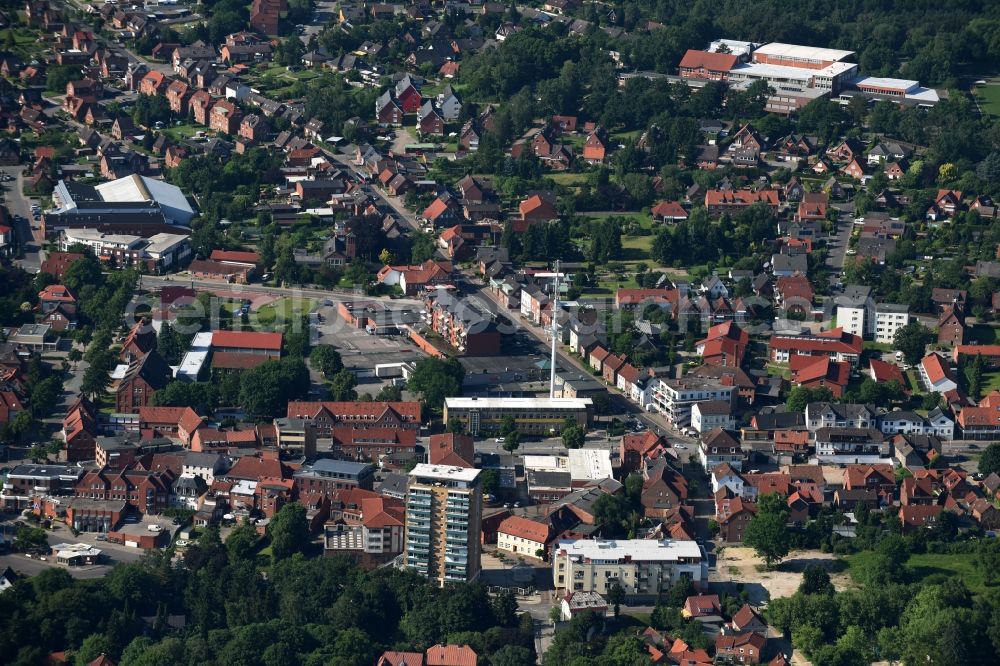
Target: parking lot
x,y
357,347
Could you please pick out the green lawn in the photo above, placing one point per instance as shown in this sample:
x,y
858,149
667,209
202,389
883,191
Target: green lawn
x,y
989,98
288,308
991,380
568,179
920,566
183,131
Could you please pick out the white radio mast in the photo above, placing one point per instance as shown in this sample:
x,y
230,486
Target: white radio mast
x,y
555,330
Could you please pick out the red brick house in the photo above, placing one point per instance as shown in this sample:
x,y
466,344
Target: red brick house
x,y
177,96
596,146
707,65
153,84
536,208
429,121
951,326
733,515
225,117
199,106
144,377
740,648
913,517
254,128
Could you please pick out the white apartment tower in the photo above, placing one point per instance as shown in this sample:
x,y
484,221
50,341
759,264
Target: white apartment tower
x,y
443,522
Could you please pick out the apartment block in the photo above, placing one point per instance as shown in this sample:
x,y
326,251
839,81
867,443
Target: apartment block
x,y
642,567
443,522
889,318
464,326
856,310
674,398
532,416
851,446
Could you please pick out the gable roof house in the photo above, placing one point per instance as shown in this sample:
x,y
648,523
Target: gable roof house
x,y
429,121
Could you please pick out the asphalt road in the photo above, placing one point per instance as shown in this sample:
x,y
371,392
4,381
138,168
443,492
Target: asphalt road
x,y
183,280
837,245
323,13
384,202
20,211
627,408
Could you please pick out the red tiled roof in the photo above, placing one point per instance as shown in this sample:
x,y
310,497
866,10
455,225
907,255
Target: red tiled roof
x,y
451,655
354,410
807,369
235,256
936,369
56,292
629,296
437,208
715,62
380,512
744,616
253,468
918,515
833,341
451,449
740,197
247,340
393,658
525,529
795,286
536,203
56,263
168,415
886,372
669,209
732,643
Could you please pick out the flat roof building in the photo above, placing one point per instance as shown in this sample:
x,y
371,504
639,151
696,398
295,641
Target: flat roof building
x,y
644,568
532,416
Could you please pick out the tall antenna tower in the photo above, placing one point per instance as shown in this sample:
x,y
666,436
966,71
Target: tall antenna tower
x,y
555,331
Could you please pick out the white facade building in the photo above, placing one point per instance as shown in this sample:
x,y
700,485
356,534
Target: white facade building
x,y
642,567
889,318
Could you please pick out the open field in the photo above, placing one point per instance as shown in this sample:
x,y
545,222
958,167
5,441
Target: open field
x,y
961,566
989,97
738,564
284,310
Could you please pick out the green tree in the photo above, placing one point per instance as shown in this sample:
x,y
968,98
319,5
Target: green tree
x,y
265,390
989,462
44,395
326,359
435,379
97,376
767,532
490,479
242,541
800,396
507,425
288,531
616,594
93,647
422,247
512,655
912,340
389,393
342,386
512,441
456,426
573,436
170,344
815,580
